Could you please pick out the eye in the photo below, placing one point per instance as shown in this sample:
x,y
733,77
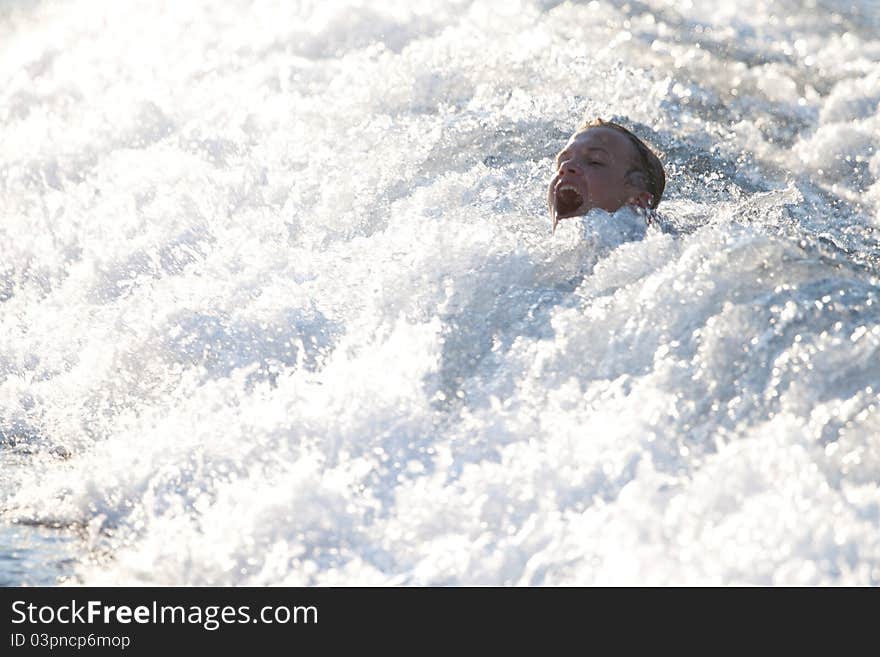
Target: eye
x,y
596,163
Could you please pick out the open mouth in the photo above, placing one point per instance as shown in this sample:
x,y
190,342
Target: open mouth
x,y
568,200
564,200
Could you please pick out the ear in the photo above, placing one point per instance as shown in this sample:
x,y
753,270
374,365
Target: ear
x,y
641,199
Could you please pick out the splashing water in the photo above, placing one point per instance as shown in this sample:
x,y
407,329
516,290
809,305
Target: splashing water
x,y
279,302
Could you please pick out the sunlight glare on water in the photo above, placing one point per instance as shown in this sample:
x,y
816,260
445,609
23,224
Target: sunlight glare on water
x,y
279,302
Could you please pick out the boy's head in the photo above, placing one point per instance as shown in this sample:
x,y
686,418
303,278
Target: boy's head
x,y
605,166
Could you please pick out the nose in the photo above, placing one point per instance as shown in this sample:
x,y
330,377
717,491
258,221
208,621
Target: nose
x,y
570,167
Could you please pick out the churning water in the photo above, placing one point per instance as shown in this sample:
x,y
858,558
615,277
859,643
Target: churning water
x,y
280,303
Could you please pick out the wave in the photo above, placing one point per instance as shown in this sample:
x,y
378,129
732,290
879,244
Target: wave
x,y
280,303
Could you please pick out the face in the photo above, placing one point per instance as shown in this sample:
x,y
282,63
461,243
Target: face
x,y
591,172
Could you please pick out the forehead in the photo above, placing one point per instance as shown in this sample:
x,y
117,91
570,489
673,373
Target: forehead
x,y
616,143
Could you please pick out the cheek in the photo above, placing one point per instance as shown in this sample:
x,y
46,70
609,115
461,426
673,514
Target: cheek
x,y
603,184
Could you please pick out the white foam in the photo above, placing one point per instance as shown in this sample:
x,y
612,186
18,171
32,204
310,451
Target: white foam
x,y
279,282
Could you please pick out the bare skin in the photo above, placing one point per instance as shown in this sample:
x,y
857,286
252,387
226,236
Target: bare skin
x,y
597,168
